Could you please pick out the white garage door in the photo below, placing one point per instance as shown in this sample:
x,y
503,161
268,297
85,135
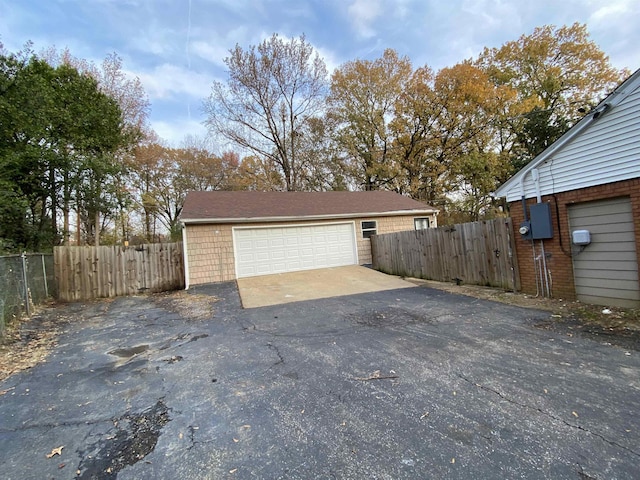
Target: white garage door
x,y
263,251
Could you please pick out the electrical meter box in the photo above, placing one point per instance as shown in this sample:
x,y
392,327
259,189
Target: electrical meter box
x,y
581,237
540,217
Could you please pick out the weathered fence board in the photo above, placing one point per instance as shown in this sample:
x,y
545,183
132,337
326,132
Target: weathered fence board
x,y
83,273
478,253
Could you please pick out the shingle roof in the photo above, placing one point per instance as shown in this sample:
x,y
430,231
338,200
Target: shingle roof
x,y
227,207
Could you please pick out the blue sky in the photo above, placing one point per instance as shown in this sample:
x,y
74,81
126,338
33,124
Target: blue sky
x,y
177,47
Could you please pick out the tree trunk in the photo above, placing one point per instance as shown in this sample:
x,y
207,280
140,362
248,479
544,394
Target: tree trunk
x,y
78,234
97,229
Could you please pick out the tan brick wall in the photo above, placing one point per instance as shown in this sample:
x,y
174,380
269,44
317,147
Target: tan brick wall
x,y
559,262
210,247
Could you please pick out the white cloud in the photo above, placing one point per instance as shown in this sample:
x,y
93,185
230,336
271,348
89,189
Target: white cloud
x,y
362,13
175,131
212,53
330,58
167,81
611,9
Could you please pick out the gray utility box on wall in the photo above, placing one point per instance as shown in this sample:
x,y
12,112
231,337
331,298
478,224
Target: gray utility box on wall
x,y
541,224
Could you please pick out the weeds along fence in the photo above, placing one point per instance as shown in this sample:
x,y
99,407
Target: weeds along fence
x,y
85,273
25,281
477,253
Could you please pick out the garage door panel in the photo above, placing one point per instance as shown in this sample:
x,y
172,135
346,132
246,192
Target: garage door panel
x,y
263,251
259,244
243,244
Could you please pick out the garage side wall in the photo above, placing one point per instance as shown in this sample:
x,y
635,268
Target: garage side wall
x,y
210,254
384,225
558,248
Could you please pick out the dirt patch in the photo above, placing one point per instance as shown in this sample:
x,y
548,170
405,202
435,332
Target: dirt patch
x,y
195,306
616,326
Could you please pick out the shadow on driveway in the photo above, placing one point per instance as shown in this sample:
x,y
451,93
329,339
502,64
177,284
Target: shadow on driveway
x,y
408,383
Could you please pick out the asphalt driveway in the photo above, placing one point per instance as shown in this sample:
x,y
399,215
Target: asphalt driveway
x,y
409,383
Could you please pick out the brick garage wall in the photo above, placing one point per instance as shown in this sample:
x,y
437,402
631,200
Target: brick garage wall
x,y
559,262
210,247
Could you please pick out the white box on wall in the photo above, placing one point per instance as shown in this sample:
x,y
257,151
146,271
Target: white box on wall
x,y
581,237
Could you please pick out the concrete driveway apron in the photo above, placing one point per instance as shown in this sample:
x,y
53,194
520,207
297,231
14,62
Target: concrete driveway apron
x,y
290,287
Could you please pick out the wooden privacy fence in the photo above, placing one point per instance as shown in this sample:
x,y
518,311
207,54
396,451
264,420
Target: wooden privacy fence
x,y
479,253
83,273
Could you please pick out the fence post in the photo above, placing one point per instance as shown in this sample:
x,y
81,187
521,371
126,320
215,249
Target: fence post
x,y
26,284
44,274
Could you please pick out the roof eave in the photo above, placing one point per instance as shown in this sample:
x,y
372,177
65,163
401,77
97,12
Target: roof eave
x,y
503,190
298,218
610,102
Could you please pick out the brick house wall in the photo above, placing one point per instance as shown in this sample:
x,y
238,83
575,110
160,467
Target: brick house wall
x,y
559,263
210,255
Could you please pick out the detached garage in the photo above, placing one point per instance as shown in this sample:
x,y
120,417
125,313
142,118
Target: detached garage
x,y
230,235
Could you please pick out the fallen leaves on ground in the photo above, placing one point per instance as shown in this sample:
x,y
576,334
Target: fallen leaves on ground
x,y
621,322
26,343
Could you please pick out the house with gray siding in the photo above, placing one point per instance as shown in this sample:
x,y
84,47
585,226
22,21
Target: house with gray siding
x,y
576,207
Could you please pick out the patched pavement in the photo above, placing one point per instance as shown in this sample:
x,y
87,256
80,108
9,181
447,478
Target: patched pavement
x,y
408,383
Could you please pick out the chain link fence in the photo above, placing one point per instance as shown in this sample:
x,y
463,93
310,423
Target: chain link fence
x,y
25,280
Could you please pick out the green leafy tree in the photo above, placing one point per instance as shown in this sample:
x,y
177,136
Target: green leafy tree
x,y
57,132
132,100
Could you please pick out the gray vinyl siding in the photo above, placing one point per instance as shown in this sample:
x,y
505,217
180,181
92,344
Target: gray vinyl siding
x,y
606,151
606,271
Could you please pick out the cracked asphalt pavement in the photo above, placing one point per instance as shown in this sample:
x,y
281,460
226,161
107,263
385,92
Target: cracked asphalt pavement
x,y
411,383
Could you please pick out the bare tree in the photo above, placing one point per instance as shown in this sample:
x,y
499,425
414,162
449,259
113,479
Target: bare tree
x,y
271,91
